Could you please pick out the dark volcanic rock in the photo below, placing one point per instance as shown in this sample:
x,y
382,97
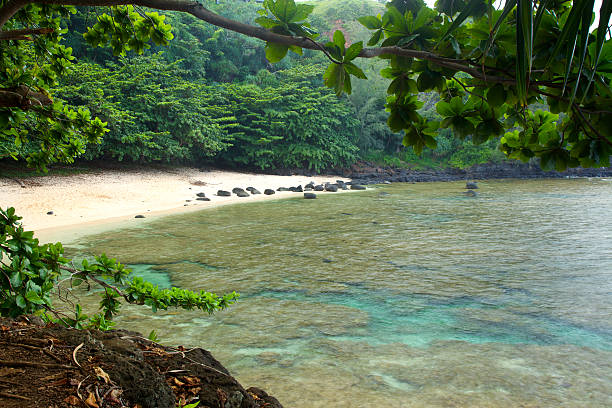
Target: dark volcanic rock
x,y
253,190
145,373
49,212
268,191
139,216
471,193
203,199
310,196
223,193
201,195
242,193
331,187
471,185
283,189
235,190
357,187
319,187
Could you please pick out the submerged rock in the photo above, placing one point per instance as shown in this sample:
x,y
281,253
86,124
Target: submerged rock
x,y
471,185
357,187
471,193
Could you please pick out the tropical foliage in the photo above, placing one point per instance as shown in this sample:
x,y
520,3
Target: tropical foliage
x,y
32,275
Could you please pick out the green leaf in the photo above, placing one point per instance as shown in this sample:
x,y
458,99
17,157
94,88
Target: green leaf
x,y
493,34
354,70
275,52
496,96
370,22
467,11
33,297
339,40
302,12
353,51
20,302
267,22
375,38
524,42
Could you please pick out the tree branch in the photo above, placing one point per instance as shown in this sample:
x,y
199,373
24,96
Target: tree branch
x,y
22,34
202,13
22,97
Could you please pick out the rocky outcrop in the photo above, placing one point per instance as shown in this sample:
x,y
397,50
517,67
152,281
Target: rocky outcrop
x,y
365,173
116,368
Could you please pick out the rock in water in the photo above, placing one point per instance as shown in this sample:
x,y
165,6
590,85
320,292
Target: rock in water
x,y
357,187
471,193
223,193
268,191
471,185
310,196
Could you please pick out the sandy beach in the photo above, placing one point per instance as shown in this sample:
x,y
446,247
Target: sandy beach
x,y
102,199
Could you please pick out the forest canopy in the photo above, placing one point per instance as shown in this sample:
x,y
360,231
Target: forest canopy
x,y
491,68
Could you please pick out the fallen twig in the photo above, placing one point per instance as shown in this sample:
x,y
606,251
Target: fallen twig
x,y
74,353
20,363
8,395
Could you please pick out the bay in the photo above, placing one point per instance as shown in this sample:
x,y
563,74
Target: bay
x,y
405,295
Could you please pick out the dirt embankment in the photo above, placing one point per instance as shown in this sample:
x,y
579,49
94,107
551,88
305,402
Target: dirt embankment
x,y
51,366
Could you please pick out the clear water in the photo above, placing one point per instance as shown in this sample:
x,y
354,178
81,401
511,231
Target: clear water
x,y
409,295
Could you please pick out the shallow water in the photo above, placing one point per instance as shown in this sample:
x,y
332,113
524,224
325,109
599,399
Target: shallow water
x,y
405,295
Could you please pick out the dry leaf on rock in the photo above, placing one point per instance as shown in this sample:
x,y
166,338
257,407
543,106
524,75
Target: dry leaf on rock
x,y
91,401
72,400
102,374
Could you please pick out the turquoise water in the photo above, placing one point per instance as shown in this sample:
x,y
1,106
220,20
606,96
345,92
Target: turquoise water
x,y
402,295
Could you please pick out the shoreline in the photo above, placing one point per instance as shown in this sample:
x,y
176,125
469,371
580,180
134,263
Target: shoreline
x,y
101,200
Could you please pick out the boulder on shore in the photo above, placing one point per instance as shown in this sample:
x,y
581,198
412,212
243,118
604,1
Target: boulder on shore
x,y
201,195
319,187
203,199
223,193
268,191
310,196
357,187
331,188
253,190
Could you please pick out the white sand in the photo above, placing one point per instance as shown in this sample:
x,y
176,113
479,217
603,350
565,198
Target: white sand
x,y
111,198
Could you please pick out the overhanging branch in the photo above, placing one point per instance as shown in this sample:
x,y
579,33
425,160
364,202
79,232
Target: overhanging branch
x,y
202,13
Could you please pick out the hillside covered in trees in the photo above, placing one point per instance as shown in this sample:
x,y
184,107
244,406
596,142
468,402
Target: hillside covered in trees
x,y
211,96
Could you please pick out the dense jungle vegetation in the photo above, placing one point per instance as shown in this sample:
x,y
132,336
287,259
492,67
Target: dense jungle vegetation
x,y
210,96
